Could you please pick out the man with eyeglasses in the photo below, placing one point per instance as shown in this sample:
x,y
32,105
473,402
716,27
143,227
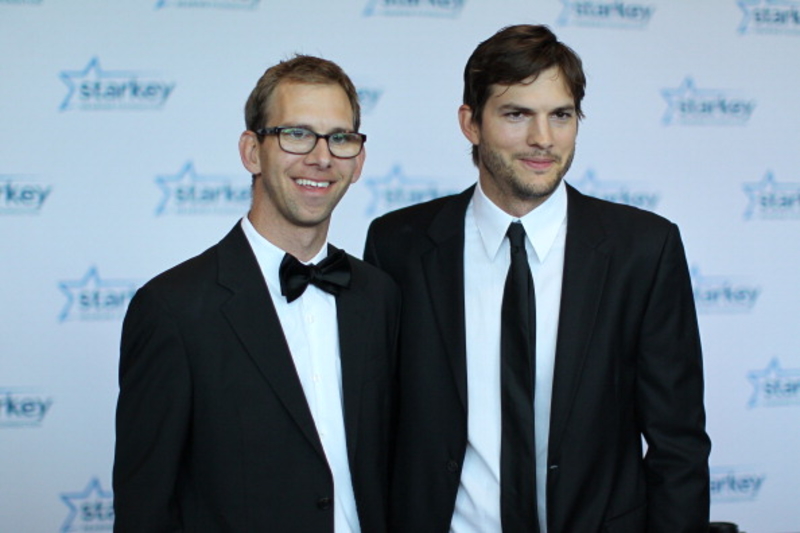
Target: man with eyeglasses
x,y
256,378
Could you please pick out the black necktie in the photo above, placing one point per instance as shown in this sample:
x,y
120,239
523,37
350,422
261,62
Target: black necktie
x,y
518,509
331,275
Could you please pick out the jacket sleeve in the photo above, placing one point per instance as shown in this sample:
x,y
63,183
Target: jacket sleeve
x,y
670,400
152,419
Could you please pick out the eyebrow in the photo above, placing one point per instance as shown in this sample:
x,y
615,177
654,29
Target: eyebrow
x,y
524,109
310,128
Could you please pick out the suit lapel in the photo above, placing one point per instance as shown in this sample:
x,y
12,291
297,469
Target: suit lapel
x,y
443,267
252,316
585,270
353,313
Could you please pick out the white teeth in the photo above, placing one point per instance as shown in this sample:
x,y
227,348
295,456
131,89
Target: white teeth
x,y
311,183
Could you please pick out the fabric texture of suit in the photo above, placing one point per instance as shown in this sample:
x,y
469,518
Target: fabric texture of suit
x,y
214,433
628,363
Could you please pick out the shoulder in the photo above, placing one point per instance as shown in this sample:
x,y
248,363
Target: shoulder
x,y
615,220
420,216
372,279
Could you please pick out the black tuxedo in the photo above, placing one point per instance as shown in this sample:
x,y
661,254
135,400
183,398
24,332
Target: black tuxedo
x,y
628,363
214,433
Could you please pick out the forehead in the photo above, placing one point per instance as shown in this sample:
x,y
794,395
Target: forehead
x,y
310,104
548,89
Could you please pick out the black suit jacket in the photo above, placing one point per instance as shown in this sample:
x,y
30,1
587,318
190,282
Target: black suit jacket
x,y
628,364
214,433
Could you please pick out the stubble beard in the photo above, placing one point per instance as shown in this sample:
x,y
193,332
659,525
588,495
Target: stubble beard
x,y
507,178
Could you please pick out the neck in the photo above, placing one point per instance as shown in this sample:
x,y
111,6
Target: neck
x,y
302,242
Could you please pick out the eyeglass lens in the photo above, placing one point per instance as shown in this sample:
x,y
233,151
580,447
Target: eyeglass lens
x,y
303,141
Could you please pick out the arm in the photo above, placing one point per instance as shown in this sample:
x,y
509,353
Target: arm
x,y
670,400
153,413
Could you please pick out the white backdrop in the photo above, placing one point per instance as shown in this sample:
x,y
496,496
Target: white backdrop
x,y
118,159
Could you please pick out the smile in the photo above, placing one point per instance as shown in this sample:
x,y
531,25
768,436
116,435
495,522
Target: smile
x,y
311,183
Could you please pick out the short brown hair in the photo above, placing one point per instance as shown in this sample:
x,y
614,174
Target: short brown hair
x,y
299,69
513,55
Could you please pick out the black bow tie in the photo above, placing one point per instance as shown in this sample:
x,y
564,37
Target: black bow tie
x,y
331,275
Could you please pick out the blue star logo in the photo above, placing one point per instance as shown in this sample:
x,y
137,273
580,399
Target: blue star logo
x,y
770,16
368,99
94,297
722,294
605,14
440,8
396,190
774,386
686,91
92,72
189,192
89,510
771,199
218,4
616,191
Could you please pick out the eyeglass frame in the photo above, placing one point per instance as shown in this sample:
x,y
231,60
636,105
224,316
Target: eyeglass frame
x,y
276,130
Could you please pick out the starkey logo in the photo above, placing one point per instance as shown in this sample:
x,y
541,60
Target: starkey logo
x,y
395,190
735,483
368,98
189,193
774,386
95,89
212,4
770,17
23,407
621,192
19,195
770,199
92,298
689,105
609,14
723,294
90,509
414,8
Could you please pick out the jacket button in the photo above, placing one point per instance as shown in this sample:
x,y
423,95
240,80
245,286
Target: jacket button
x,y
452,466
324,503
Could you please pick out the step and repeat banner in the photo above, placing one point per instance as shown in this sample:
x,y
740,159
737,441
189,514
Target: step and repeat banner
x,y
119,124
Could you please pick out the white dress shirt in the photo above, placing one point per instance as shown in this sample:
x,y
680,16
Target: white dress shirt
x,y
486,263
310,326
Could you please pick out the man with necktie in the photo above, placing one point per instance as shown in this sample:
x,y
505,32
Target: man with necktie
x,y
256,378
544,334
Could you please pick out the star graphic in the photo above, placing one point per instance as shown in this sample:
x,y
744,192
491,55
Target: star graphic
x,y
99,506
92,71
450,9
591,185
395,190
188,176
622,192
749,7
90,280
773,374
685,91
241,4
769,185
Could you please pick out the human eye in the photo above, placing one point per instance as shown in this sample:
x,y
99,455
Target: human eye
x,y
296,134
340,138
563,115
514,115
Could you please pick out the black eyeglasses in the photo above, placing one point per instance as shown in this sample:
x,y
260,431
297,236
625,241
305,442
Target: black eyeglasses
x,y
344,145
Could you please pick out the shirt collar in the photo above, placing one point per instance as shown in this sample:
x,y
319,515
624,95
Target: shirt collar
x,y
541,224
269,256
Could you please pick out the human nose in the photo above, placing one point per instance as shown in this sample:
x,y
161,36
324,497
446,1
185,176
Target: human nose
x,y
320,155
540,133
